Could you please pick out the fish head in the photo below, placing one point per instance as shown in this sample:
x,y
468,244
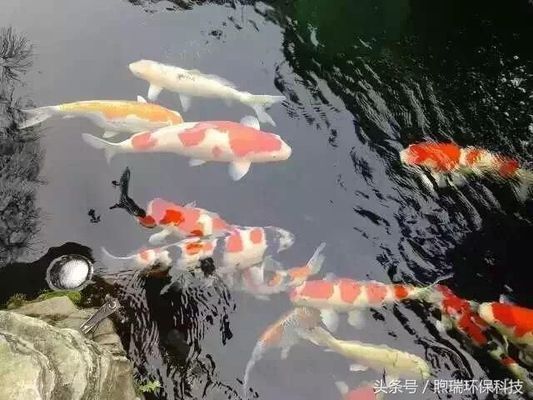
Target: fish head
x,y
285,151
278,239
142,68
147,221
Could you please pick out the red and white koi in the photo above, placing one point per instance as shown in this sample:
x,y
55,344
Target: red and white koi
x,y
282,334
513,322
365,391
295,276
239,144
181,221
460,314
350,296
449,161
148,260
193,83
268,278
114,116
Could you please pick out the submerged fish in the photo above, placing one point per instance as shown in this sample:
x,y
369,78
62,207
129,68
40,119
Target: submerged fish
x,y
364,391
297,275
193,83
460,314
448,161
282,334
114,116
239,144
350,296
396,363
513,322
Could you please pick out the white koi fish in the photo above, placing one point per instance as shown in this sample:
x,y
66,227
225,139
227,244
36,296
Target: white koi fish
x,y
114,116
193,83
396,363
239,144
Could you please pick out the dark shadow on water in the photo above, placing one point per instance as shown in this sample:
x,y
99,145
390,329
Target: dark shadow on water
x,y
20,153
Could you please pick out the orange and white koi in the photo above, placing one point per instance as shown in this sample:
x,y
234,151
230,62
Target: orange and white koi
x,y
180,221
148,260
449,161
114,116
365,391
239,144
193,83
513,322
350,296
268,278
282,334
296,276
396,363
460,314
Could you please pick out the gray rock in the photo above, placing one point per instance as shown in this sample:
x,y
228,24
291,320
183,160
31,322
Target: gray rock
x,y
41,361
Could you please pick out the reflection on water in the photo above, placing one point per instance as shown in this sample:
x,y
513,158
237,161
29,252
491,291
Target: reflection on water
x,y
20,156
363,79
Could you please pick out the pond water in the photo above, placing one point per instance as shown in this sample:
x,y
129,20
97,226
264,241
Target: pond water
x,y
363,79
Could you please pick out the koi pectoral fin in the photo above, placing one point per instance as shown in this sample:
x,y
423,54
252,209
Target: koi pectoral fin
x,y
153,92
185,102
194,162
238,169
355,319
330,319
159,237
109,134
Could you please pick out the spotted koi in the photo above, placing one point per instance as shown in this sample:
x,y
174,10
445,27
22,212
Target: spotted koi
x,y
513,322
461,315
448,161
239,144
350,296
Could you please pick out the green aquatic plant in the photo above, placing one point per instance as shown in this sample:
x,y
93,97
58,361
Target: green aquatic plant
x,y
17,300
73,295
149,387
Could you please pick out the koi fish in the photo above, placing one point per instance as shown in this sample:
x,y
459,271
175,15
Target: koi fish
x,y
514,323
239,144
460,314
180,221
193,83
154,261
448,161
365,391
173,219
282,334
396,363
114,116
350,296
297,275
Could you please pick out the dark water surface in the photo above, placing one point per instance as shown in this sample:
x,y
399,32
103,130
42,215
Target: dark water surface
x,y
364,79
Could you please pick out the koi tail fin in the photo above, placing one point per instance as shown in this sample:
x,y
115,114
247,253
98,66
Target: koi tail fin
x,y
110,149
524,186
126,202
257,354
36,116
113,264
260,103
317,259
427,293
